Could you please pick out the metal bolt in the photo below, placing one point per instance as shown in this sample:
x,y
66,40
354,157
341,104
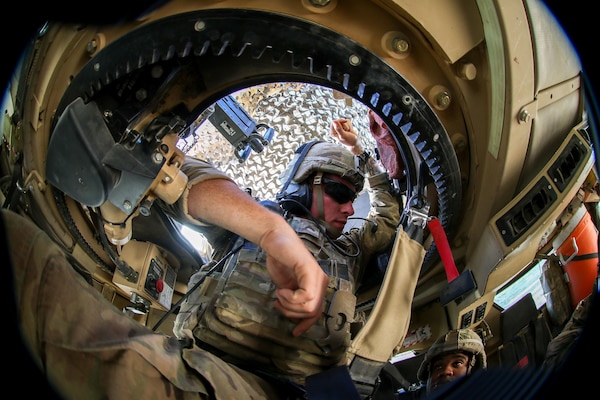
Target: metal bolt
x,y
127,205
400,45
157,158
141,95
442,99
199,26
145,207
524,116
92,45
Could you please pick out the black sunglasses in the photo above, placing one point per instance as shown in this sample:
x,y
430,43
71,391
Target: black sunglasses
x,y
338,191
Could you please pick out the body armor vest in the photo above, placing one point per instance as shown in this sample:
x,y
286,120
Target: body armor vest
x,y
234,313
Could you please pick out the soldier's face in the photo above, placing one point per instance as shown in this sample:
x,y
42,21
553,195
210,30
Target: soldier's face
x,y
338,196
447,368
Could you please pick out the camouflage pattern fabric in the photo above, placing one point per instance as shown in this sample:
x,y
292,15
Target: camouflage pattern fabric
x,y
332,158
559,348
233,312
89,349
242,321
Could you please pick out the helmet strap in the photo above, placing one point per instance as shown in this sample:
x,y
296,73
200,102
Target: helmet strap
x,y
318,194
472,362
317,188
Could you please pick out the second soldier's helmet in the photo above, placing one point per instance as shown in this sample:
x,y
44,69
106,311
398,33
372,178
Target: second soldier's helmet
x,y
310,158
465,340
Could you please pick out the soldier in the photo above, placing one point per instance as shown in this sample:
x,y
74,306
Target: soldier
x,y
562,344
456,354
232,312
88,348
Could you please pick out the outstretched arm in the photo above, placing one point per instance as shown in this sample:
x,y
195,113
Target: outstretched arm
x,y
300,281
343,132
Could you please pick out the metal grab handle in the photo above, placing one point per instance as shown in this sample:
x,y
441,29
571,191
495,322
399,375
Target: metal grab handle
x,y
572,256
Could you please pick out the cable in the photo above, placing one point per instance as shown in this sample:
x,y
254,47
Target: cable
x,y
127,270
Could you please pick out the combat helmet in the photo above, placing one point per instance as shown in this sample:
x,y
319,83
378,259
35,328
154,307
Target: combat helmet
x,y
309,159
465,340
325,157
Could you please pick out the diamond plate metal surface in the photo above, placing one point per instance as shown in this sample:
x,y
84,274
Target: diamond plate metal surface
x,y
297,112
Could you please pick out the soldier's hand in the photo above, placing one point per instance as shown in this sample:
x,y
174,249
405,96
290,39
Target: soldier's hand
x,y
342,131
301,289
301,283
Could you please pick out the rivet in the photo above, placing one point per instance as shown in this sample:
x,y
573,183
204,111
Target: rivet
x,y
354,60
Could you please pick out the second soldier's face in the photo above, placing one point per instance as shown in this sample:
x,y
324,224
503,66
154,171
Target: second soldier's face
x,y
447,368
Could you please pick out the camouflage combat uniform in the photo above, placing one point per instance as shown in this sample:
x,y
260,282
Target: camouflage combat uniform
x,y
89,349
233,310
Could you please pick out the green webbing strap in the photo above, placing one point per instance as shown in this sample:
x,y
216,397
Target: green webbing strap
x,y
318,193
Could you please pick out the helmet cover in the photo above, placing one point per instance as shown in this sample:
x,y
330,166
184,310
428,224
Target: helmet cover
x,y
466,340
325,157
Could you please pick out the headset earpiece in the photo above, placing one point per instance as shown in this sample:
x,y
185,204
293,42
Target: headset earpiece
x,y
296,197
